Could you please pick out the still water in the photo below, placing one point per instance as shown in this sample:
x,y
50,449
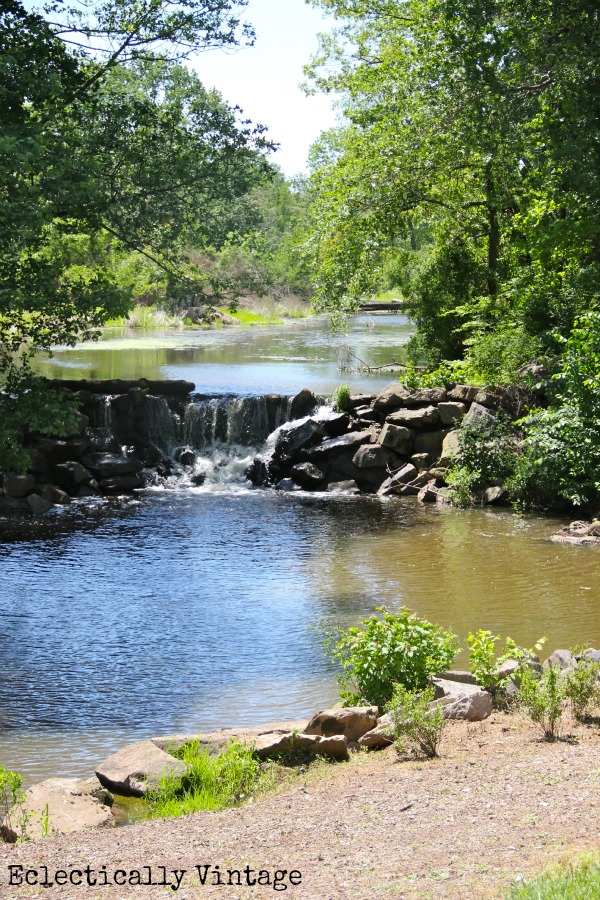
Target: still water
x,y
190,609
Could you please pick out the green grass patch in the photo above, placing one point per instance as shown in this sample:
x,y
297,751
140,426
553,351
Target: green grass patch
x,y
251,317
146,317
576,880
212,782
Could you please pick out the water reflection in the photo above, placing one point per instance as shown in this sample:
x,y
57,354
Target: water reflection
x,y
190,610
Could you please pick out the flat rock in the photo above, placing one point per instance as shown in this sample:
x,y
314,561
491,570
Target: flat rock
x,y
343,487
70,806
391,397
105,465
121,483
429,442
423,417
395,482
350,721
370,456
137,768
463,392
294,436
352,440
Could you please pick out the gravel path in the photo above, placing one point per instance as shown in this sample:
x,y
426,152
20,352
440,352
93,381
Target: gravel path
x,y
499,803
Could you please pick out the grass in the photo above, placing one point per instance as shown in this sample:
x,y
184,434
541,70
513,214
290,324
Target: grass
x,y
251,317
578,879
229,779
146,317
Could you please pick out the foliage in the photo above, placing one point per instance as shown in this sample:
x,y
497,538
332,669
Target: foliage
x,y
12,797
465,171
543,698
561,455
108,146
487,456
582,688
415,722
341,398
400,648
211,782
577,880
484,663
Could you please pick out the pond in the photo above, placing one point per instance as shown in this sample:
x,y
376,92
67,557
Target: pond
x,y
188,609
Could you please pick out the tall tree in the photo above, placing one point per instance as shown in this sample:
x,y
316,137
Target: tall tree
x,y
479,120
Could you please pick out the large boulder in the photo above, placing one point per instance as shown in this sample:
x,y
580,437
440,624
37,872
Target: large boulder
x,y
350,721
308,476
138,768
106,465
303,404
451,411
429,442
450,448
463,392
400,478
379,736
351,441
480,416
371,456
391,397
58,806
18,486
295,436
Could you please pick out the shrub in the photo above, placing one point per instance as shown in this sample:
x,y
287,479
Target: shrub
x,y
12,797
581,687
484,664
487,456
212,782
399,648
341,398
414,722
543,698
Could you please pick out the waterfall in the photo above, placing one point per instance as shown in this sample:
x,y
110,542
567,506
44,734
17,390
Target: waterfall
x,y
202,441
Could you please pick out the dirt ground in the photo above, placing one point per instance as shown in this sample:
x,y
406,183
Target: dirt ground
x,y
498,804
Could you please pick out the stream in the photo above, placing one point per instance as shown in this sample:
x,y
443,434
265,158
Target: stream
x,y
191,608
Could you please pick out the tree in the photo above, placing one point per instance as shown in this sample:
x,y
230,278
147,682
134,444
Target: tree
x,y
100,136
476,120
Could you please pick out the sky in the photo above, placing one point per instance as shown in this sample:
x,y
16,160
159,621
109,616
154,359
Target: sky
x,y
263,80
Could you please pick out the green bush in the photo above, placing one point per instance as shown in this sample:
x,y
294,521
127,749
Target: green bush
x,y
582,689
211,782
578,881
414,723
483,662
12,797
561,457
399,648
487,456
543,698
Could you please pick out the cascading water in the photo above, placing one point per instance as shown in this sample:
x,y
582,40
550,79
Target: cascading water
x,y
206,441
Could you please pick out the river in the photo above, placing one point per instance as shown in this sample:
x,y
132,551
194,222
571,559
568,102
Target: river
x,y
191,608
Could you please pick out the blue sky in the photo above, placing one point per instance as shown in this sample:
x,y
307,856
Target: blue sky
x,y
264,79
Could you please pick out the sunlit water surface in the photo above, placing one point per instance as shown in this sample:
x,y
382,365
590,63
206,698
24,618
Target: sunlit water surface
x,y
191,608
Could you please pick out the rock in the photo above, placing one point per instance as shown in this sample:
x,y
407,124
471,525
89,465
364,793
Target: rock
x,y
294,436
379,736
366,415
350,721
286,484
459,675
464,392
215,741
54,494
343,487
69,805
397,480
422,460
353,440
91,489
334,747
18,486
174,388
121,484
391,397
371,456
137,768
59,451
493,495
481,416
423,417
105,465
334,424
137,397
95,789
186,457
508,669
69,475
429,493
397,438
38,505
450,449
273,743
439,474
486,398
591,655
564,659
462,701
307,475
452,411
303,404
429,442
423,396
